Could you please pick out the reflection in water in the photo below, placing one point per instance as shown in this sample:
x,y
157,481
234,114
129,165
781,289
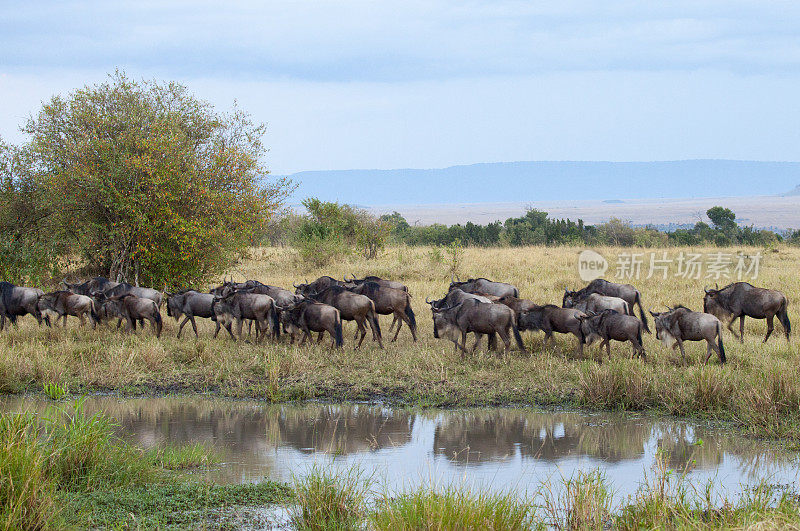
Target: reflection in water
x,y
502,448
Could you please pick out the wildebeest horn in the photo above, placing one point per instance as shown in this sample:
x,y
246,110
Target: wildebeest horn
x,y
296,285
654,314
452,277
705,288
428,301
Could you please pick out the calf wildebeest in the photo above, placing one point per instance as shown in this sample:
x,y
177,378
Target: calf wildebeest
x,y
90,286
680,324
322,283
128,289
371,278
352,307
390,301
479,318
309,316
241,305
596,303
132,309
625,292
483,285
190,304
610,325
16,301
741,300
550,318
60,304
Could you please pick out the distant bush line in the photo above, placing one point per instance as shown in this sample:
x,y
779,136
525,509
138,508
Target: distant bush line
x,y
329,230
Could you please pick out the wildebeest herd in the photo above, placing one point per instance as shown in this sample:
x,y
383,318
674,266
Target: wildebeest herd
x,y
601,311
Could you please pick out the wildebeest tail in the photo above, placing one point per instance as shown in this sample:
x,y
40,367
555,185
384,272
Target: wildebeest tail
x,y
722,357
373,318
783,317
157,315
410,314
642,315
93,311
276,321
517,337
337,328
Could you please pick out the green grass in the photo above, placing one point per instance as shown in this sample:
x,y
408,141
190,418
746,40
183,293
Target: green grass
x,y
67,468
171,505
452,509
326,500
584,501
194,455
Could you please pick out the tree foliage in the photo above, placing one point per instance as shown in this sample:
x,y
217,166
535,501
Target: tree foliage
x,y
330,230
147,182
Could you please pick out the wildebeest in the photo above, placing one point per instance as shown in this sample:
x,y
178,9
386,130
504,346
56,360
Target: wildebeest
x,y
241,305
610,325
132,309
625,292
390,301
516,304
60,304
550,318
741,300
90,286
479,318
371,278
16,301
454,297
680,324
128,289
322,283
190,304
596,303
483,285
352,307
309,316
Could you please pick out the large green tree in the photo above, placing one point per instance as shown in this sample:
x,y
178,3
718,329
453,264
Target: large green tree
x,y
148,183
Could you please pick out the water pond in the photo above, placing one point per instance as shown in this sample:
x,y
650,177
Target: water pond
x,y
495,448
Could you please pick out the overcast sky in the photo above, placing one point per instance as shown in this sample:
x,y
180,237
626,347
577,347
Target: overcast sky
x,y
376,84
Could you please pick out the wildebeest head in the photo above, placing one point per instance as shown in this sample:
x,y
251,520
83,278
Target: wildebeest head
x,y
713,303
590,326
569,298
667,325
444,322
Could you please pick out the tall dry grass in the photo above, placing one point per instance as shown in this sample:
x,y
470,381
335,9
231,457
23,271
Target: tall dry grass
x,y
759,388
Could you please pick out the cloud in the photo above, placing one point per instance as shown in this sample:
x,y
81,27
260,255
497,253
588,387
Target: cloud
x,y
400,40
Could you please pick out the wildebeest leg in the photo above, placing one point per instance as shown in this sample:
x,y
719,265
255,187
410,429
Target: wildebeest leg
x,y
607,342
64,320
306,335
131,327
770,327
394,321
683,351
239,325
637,348
321,335
399,320
730,327
478,338
503,333
362,330
194,327
81,318
710,349
186,320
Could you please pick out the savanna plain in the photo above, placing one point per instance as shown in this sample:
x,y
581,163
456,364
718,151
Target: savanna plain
x,y
756,393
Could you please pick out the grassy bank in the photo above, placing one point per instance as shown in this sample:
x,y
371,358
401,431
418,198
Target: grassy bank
x,y
69,470
667,500
758,390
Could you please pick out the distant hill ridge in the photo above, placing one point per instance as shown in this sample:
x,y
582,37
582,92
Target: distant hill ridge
x,y
794,191
551,181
